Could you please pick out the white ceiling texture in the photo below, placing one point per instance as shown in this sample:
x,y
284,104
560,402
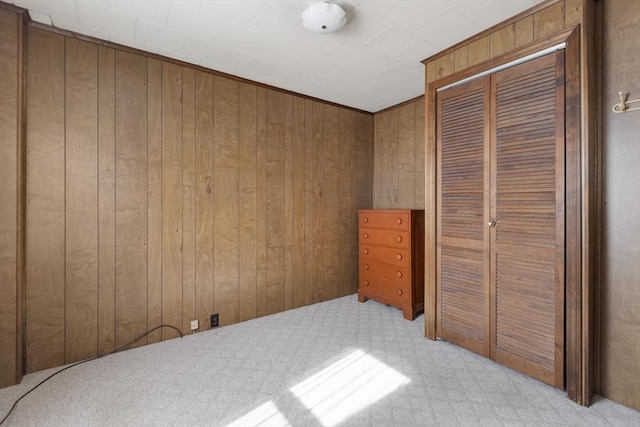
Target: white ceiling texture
x,y
371,64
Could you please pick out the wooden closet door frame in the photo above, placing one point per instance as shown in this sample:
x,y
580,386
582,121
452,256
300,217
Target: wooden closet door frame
x,y
579,357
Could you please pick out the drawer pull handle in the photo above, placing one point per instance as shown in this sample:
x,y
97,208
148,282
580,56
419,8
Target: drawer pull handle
x,y
366,251
399,221
399,257
366,235
399,274
366,283
399,239
399,292
366,266
365,219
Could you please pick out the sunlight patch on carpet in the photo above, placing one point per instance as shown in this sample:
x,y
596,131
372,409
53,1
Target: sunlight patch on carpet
x,y
267,415
347,386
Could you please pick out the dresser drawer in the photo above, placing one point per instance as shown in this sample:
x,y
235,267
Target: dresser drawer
x,y
396,239
398,294
395,256
391,221
390,272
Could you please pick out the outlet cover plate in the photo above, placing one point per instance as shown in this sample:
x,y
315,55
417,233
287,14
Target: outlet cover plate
x,y
194,325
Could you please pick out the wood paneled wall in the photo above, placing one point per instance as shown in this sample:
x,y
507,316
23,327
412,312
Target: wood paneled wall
x,y
398,181
11,197
620,306
159,193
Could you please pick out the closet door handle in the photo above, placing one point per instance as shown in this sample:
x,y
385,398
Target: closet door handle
x,y
492,223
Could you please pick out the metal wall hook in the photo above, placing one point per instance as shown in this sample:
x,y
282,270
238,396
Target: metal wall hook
x,y
622,106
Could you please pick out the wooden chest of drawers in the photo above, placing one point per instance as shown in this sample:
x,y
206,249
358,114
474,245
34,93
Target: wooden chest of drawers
x,y
392,259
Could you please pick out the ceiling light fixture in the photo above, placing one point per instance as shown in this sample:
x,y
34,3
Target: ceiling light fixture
x,y
324,17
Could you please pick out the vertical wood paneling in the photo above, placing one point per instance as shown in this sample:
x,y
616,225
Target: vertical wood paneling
x,y
172,208
131,197
10,198
45,332
378,168
317,203
154,196
204,197
620,324
331,199
406,155
347,214
524,31
479,51
297,189
106,200
225,199
81,204
548,21
399,157
275,214
190,194
288,202
461,58
394,155
247,243
261,202
309,205
503,40
188,197
419,155
446,64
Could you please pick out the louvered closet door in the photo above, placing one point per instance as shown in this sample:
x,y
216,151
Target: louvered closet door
x,y
527,205
463,178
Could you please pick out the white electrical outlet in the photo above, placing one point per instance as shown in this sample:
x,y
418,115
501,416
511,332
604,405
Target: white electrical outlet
x,y
194,325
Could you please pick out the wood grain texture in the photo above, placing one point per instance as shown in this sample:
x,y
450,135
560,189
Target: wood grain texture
x,y
131,197
275,208
154,198
524,31
308,204
406,155
461,58
479,51
288,201
297,189
225,200
331,202
81,200
316,203
502,40
620,330
247,186
548,21
10,199
348,252
45,311
188,198
106,200
261,202
399,157
172,208
204,197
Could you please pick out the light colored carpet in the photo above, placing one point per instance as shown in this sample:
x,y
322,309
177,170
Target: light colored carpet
x,y
336,363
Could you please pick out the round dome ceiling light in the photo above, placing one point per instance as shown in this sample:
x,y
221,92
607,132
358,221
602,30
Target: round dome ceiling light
x,y
324,17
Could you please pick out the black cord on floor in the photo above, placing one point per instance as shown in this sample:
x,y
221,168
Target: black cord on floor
x,y
85,361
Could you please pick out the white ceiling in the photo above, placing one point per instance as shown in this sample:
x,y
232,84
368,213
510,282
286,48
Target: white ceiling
x,y
371,64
